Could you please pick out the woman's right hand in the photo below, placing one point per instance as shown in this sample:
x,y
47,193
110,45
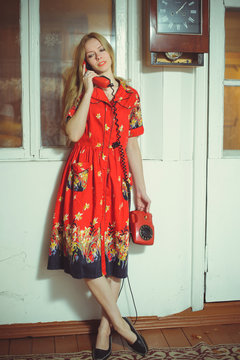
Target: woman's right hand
x,y
87,80
75,126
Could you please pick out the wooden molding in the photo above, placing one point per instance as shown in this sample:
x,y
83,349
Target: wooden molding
x,y
212,314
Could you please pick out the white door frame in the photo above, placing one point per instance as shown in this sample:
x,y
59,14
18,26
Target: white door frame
x,y
200,138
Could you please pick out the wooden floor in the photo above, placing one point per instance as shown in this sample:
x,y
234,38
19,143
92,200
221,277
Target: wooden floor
x,y
187,336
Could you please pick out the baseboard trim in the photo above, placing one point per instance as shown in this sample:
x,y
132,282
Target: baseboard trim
x,y
212,314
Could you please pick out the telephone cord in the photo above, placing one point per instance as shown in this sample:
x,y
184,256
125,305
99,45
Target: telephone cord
x,y
126,179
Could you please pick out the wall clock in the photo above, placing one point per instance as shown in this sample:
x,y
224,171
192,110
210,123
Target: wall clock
x,y
179,26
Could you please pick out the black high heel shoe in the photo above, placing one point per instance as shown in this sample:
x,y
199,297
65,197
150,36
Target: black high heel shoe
x,y
99,354
140,345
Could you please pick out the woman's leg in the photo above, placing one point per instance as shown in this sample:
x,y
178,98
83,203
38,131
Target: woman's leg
x,y
102,341
102,291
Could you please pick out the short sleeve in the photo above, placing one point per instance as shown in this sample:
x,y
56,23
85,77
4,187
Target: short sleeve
x,y
135,119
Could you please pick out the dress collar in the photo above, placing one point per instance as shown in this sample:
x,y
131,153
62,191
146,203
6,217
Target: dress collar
x,y
123,93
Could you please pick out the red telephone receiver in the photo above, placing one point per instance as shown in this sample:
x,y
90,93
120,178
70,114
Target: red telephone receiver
x,y
100,81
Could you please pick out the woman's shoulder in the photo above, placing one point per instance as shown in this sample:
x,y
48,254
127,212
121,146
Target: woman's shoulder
x,y
128,89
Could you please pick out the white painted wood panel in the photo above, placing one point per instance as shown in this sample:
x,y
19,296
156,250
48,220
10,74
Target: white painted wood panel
x,y
178,103
168,112
223,229
216,77
152,110
231,3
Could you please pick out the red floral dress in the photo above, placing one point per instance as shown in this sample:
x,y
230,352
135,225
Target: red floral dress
x,y
90,234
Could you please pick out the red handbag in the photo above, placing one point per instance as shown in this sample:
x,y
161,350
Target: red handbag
x,y
141,227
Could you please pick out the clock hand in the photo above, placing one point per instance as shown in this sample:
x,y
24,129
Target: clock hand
x,y
181,7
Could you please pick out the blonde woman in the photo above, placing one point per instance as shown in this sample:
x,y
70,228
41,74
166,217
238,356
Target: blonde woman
x,y
90,235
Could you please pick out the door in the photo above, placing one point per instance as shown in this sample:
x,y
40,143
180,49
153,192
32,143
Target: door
x,y
223,200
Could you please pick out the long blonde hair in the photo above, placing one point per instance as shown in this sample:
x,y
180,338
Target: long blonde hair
x,y
74,83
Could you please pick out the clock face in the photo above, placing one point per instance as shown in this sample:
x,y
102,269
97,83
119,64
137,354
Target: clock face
x,y
179,16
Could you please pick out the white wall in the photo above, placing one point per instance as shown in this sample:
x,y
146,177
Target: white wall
x,y
161,276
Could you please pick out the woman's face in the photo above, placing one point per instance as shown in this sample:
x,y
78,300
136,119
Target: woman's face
x,y
97,57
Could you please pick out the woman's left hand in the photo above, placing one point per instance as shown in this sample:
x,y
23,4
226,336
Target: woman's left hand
x,y
142,201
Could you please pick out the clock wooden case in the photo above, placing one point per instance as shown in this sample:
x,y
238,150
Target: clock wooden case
x,y
179,26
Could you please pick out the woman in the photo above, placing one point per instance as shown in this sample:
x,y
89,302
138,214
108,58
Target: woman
x,y
90,235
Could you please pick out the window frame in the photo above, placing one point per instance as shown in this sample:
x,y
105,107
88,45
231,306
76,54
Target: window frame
x,y
230,82
217,81
23,151
30,71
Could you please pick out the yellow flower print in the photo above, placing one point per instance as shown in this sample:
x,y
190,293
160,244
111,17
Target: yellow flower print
x,y
60,198
78,216
86,231
99,173
75,196
120,206
119,178
65,218
53,245
86,206
133,122
107,208
107,127
101,201
91,167
104,157
67,189
98,145
121,128
74,230
98,116
89,134
95,221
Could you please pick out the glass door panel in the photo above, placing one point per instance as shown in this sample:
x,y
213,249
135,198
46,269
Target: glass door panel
x,y
62,25
10,75
232,118
232,44
231,138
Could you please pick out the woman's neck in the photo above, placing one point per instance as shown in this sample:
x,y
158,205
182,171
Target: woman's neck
x,y
110,76
111,90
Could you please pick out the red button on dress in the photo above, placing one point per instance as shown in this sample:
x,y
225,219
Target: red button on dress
x,y
90,233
